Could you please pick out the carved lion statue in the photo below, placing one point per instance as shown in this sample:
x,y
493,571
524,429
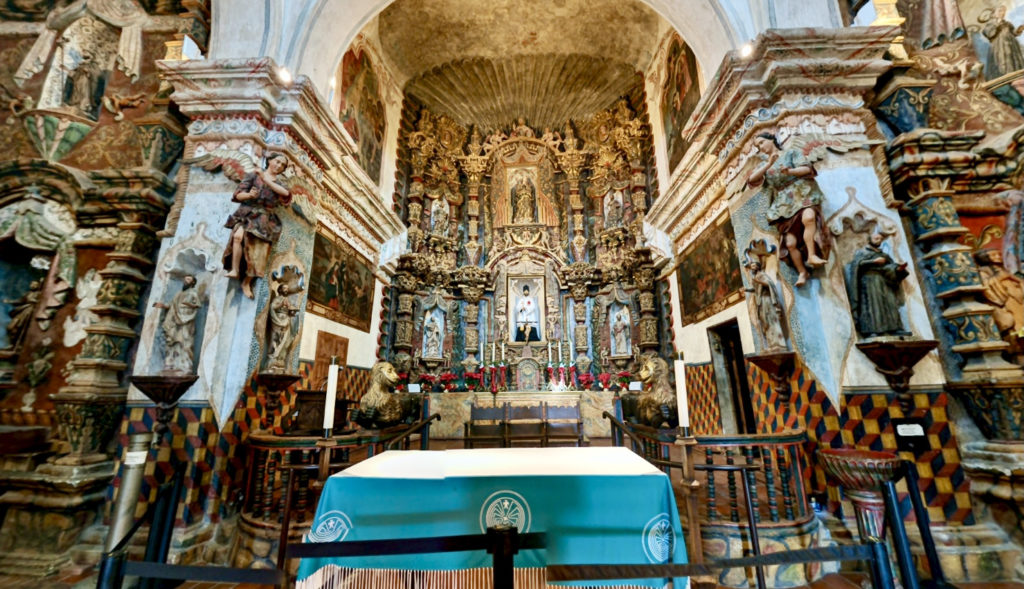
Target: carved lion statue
x,y
656,405
380,407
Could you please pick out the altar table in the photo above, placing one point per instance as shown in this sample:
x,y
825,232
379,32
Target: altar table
x,y
598,505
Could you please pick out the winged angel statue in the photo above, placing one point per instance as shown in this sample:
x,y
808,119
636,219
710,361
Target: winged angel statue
x,y
255,227
787,178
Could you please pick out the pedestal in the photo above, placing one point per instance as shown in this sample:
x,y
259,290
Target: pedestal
x,y
862,474
895,358
164,390
779,367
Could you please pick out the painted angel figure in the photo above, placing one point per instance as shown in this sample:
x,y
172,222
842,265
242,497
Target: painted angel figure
x,y
255,226
787,178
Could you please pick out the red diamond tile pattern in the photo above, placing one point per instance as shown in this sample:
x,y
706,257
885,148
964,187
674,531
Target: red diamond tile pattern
x,y
702,395
865,422
216,463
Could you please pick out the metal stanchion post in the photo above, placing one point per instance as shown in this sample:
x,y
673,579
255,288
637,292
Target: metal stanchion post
x,y
134,466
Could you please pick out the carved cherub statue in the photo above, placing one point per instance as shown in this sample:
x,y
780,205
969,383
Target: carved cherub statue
x,y
255,227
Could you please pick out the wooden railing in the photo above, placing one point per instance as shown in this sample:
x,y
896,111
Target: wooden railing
x,y
778,492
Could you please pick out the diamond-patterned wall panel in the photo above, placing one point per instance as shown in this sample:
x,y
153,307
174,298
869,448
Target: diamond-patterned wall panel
x,y
702,395
216,460
865,422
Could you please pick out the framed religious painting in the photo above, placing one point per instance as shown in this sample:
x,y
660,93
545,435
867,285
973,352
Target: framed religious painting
x,y
526,309
341,283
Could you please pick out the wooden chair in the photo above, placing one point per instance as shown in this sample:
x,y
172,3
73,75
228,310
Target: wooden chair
x,y
491,432
563,424
525,425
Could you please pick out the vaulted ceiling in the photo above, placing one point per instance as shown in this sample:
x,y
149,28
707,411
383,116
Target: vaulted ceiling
x,y
487,62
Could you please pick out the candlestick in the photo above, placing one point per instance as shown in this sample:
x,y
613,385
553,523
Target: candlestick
x,y
332,396
684,409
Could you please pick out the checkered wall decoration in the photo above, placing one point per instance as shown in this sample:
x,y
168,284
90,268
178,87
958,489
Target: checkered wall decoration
x,y
864,422
216,460
702,396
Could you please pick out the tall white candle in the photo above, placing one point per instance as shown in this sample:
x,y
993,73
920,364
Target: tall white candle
x,y
684,408
494,355
332,393
559,351
503,351
549,352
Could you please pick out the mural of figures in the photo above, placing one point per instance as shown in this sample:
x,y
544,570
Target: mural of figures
x,y
995,28
341,282
1004,53
621,340
433,334
709,273
362,109
679,98
525,310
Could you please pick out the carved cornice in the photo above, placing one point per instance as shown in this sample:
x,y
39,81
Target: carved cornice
x,y
957,158
209,91
790,71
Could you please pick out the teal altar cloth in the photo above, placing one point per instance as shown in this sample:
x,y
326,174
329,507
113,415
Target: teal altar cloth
x,y
597,506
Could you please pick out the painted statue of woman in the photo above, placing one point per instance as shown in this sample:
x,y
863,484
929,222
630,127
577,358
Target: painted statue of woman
x,y
1004,52
794,198
522,204
768,308
282,312
254,226
432,339
873,282
179,326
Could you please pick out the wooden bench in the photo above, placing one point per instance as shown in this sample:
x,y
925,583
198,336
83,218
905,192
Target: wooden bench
x,y
509,425
486,425
563,424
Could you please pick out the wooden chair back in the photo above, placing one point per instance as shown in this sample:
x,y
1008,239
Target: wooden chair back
x,y
486,425
525,425
564,424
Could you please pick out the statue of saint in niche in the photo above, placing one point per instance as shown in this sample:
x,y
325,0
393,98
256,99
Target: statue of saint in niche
x,y
21,312
254,226
768,308
523,203
873,283
432,336
82,87
620,333
282,314
613,210
527,317
439,217
794,201
179,327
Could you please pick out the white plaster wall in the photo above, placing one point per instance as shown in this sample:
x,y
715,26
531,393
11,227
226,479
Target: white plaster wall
x,y
362,346
692,340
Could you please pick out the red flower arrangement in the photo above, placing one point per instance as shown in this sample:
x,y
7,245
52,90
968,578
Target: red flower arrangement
x,y
473,380
428,380
623,378
447,379
586,380
604,378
